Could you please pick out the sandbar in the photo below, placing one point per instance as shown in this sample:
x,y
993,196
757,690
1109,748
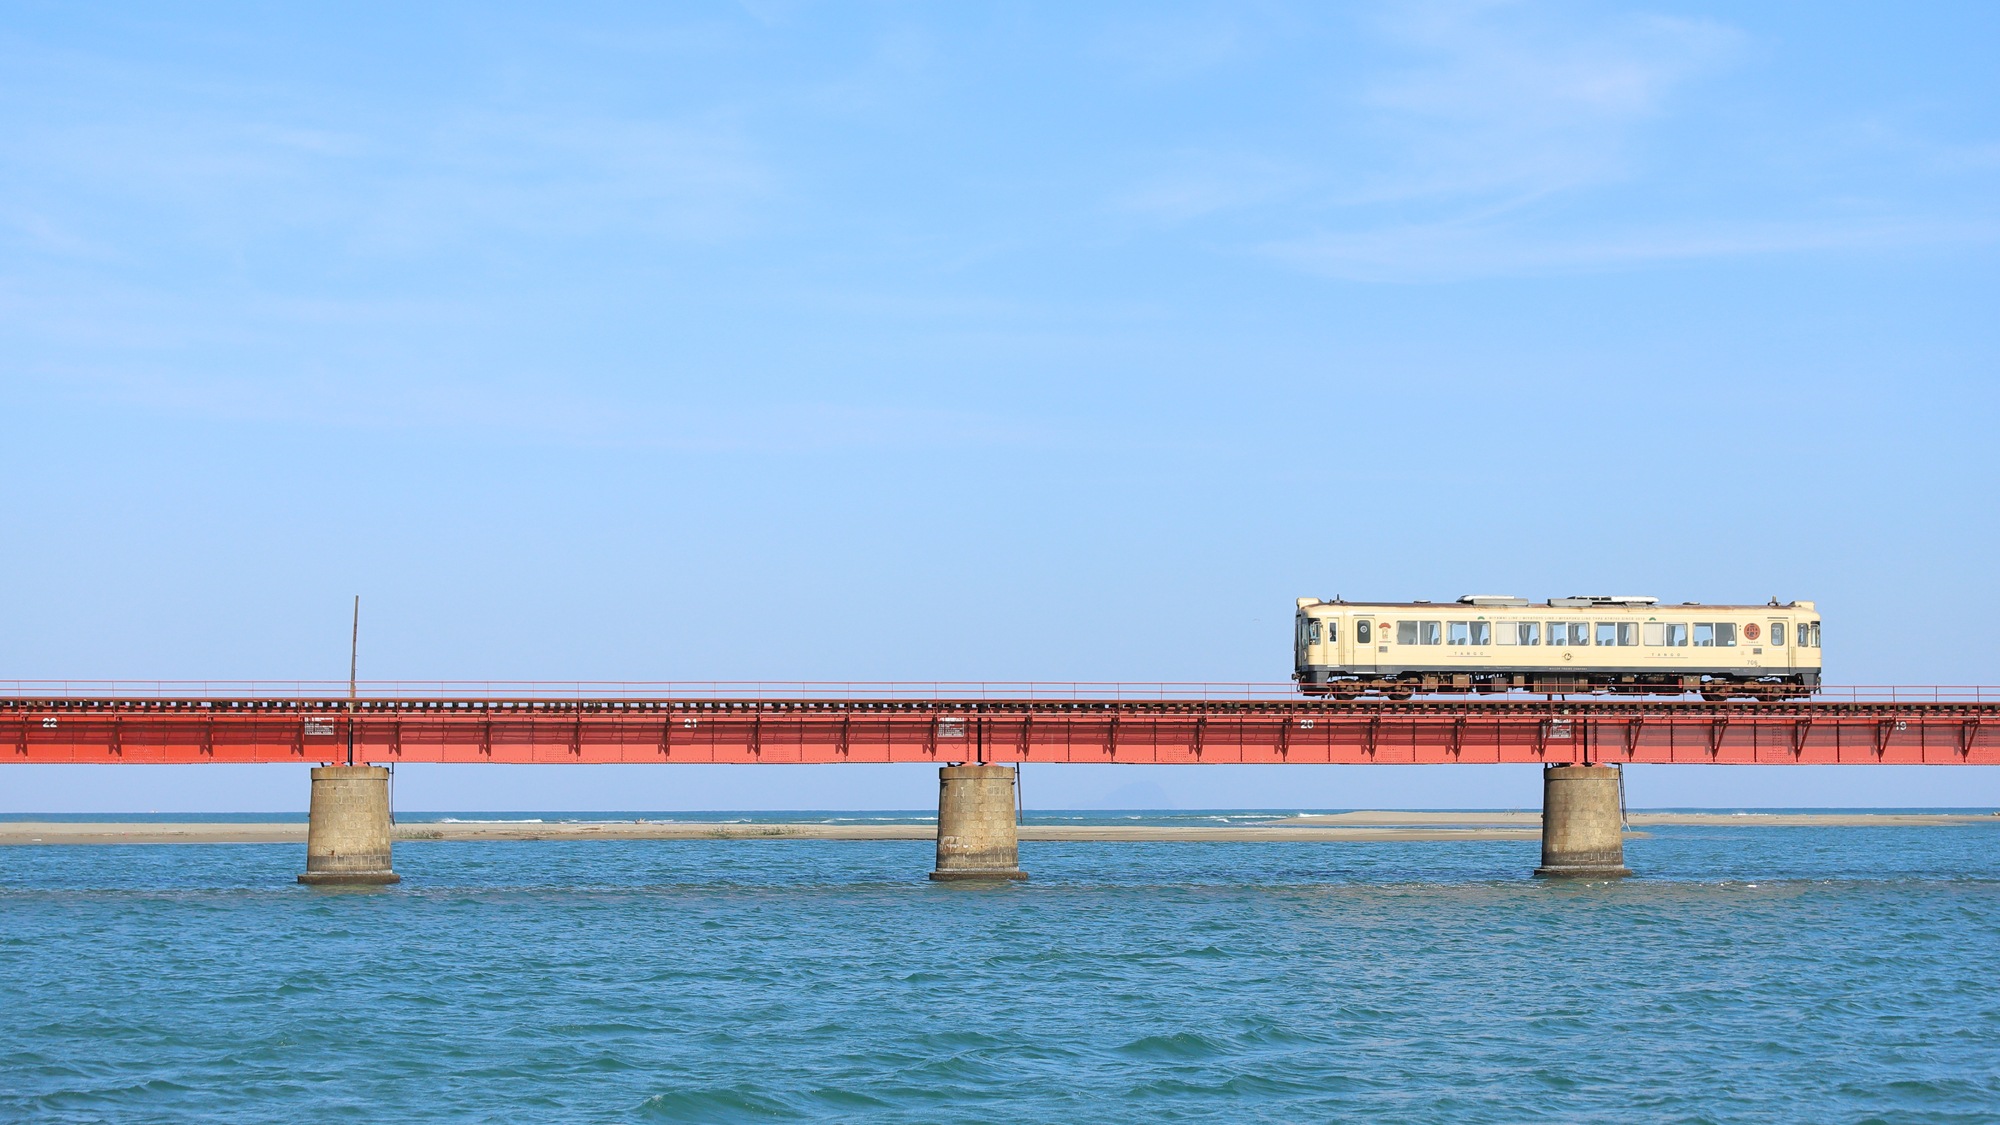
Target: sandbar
x,y
1327,828
106,832
1653,819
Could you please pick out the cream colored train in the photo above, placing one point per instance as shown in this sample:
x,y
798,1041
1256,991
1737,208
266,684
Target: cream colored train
x,y
1496,643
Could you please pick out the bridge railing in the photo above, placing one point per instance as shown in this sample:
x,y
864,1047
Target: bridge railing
x,y
858,690
645,689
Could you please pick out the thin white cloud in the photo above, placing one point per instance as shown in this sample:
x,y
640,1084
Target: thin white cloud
x,y
1177,46
1506,99
901,72
1489,61
576,175
36,230
1484,109
384,185
1450,251
1495,137
543,411
1197,184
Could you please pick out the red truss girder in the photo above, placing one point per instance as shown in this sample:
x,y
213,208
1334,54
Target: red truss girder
x,y
944,731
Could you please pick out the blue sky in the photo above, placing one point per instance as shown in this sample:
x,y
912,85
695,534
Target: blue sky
x,y
800,341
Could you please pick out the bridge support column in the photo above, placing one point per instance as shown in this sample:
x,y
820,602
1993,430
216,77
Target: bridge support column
x,y
347,829
1583,823
977,837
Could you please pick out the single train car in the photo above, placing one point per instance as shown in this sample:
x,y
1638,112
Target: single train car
x,y
1491,642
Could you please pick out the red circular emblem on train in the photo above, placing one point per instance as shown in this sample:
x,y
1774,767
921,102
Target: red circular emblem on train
x,y
1750,630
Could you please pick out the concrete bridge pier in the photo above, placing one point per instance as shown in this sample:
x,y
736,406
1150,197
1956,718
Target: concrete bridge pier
x,y
977,833
347,828
1583,823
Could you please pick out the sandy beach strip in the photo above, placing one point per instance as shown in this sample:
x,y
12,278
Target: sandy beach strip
x,y
1327,828
78,832
1533,818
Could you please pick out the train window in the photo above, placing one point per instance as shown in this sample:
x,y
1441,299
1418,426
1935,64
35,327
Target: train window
x,y
1607,632
1704,634
1628,633
1406,632
1468,633
1332,631
1526,632
1656,634
1569,632
1725,634
1677,634
1312,631
1778,634
1361,632
1715,634
1430,632
1809,634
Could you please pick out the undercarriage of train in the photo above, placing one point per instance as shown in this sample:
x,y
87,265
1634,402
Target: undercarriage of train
x,y
1712,688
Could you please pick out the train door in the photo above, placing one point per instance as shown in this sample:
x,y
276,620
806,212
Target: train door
x,y
1366,640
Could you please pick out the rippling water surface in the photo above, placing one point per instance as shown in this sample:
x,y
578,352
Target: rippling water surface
x,y
1750,974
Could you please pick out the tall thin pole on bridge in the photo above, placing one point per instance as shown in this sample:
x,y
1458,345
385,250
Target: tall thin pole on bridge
x,y
353,662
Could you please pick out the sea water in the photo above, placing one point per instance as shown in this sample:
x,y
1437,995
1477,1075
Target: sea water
x,y
1747,974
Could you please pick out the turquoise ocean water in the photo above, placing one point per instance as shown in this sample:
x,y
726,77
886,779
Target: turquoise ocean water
x,y
1749,974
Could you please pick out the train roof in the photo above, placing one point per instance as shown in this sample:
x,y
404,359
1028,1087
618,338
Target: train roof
x,y
1582,601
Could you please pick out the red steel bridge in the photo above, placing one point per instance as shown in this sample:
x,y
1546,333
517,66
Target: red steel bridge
x,y
944,723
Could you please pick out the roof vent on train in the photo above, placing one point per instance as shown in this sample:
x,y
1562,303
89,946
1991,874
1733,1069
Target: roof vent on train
x,y
1603,599
1492,599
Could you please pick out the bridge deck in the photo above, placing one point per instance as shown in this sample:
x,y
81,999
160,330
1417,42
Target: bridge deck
x,y
1177,724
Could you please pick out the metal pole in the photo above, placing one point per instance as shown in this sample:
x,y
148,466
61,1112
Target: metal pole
x,y
353,658
1624,817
